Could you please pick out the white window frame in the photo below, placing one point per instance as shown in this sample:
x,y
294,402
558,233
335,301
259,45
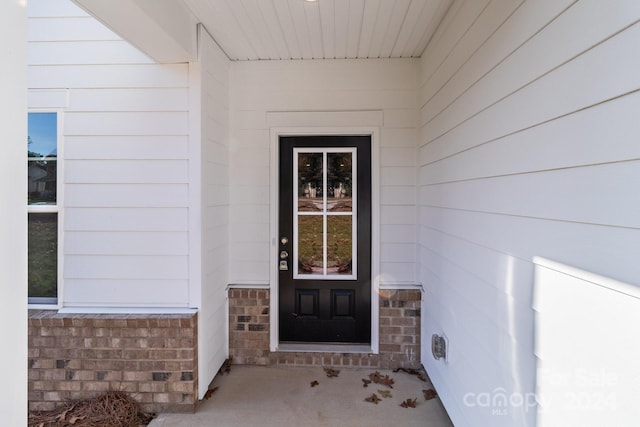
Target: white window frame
x,y
44,302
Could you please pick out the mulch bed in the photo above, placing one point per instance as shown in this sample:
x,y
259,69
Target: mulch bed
x,y
112,409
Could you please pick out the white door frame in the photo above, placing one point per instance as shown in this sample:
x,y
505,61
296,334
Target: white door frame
x,y
276,133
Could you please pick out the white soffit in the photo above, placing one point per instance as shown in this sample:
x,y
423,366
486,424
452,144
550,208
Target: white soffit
x,y
274,29
322,29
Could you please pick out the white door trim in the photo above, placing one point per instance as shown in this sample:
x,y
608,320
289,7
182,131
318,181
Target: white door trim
x,y
374,132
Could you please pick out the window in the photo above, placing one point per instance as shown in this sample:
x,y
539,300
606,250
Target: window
x,y
42,171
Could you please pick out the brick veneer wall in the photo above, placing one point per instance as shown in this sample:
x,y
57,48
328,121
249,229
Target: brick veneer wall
x,y
400,328
77,356
399,333
249,326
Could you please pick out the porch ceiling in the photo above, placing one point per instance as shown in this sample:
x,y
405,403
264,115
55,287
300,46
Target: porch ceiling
x,y
275,29
301,29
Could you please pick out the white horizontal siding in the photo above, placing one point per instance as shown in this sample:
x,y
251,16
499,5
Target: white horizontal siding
x,y
55,29
101,292
130,147
127,219
127,195
48,98
602,247
85,53
391,233
317,94
143,267
577,303
134,99
108,76
527,146
126,171
583,194
399,195
537,148
54,8
126,160
127,123
125,243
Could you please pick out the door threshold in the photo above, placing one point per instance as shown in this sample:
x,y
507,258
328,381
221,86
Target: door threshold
x,y
304,347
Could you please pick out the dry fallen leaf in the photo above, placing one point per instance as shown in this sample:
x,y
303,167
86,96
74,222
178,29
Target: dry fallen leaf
x,y
373,398
377,378
314,383
210,392
226,366
385,393
331,372
429,394
365,383
409,403
420,373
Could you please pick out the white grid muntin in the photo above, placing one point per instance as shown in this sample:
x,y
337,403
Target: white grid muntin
x,y
325,214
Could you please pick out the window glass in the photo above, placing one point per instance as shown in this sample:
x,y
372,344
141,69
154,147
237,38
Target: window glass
x,y
42,200
43,255
42,155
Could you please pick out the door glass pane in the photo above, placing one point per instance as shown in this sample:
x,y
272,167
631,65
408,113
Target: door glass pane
x,y
310,244
339,244
43,254
310,182
339,182
324,213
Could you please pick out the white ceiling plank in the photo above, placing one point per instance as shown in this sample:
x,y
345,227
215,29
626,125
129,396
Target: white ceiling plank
x,y
296,29
356,16
259,25
300,24
398,16
422,25
381,27
436,17
220,23
287,27
408,27
368,29
248,27
312,13
274,26
341,18
328,24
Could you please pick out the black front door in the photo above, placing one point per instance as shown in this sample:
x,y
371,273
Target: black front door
x,y
325,238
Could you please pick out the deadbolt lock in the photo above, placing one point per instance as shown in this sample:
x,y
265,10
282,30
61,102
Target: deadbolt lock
x,y
284,254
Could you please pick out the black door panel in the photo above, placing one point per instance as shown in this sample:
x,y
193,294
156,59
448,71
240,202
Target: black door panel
x,y
325,297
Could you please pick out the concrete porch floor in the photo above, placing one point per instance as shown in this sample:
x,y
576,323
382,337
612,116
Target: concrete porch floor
x,y
282,396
